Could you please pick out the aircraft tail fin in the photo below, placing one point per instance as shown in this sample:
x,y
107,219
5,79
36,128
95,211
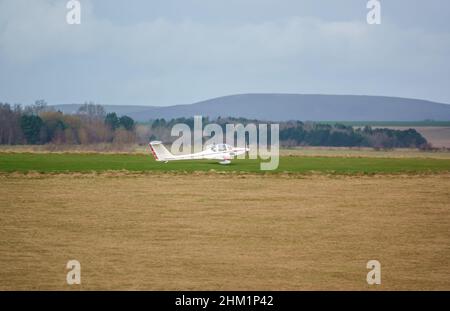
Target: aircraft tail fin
x,y
159,151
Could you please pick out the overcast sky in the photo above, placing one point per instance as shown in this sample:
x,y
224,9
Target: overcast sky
x,y
171,52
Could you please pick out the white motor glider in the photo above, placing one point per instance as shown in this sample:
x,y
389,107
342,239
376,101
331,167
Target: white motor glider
x,y
221,152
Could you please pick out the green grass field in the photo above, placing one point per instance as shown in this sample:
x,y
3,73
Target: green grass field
x,y
76,162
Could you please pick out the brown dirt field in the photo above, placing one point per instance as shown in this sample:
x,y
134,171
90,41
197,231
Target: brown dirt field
x,y
93,148
437,136
214,232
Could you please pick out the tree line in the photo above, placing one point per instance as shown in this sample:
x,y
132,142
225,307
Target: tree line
x,y
297,133
41,124
339,135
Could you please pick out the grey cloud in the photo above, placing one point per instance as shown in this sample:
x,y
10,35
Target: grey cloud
x,y
177,59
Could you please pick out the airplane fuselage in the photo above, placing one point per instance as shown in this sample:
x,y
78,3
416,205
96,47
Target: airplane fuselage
x,y
222,152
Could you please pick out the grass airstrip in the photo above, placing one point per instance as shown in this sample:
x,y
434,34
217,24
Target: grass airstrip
x,y
100,162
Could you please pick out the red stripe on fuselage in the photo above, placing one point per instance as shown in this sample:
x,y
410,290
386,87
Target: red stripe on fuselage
x,y
153,152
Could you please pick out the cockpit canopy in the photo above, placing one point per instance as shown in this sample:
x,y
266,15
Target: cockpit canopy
x,y
221,148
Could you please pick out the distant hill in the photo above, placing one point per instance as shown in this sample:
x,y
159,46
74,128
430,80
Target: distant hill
x,y
283,107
